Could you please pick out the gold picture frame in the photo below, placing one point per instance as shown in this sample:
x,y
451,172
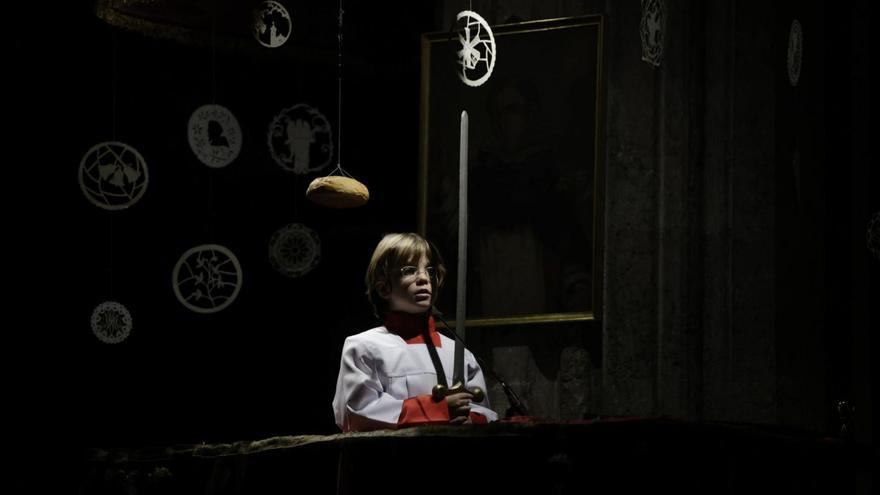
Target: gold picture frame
x,y
535,171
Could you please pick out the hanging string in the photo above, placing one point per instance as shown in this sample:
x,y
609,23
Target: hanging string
x,y
213,53
339,99
339,92
113,81
211,216
339,168
341,171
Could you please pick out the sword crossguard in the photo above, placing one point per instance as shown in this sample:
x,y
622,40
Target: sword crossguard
x,y
440,392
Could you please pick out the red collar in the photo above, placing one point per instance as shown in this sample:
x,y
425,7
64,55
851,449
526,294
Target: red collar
x,y
411,327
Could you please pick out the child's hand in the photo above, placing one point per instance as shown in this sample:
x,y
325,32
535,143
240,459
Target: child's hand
x,y
461,420
459,407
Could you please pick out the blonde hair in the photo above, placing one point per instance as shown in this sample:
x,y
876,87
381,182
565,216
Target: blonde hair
x,y
394,251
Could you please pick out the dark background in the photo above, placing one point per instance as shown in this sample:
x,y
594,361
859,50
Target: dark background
x,y
266,365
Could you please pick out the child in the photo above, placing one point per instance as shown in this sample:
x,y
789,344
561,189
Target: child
x,y
386,374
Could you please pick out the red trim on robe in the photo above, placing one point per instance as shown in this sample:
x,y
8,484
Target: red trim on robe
x,y
423,410
478,419
410,327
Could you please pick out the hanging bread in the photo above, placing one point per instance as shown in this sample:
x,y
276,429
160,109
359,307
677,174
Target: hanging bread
x,y
335,191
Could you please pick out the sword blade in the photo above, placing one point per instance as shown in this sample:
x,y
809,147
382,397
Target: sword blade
x,y
461,288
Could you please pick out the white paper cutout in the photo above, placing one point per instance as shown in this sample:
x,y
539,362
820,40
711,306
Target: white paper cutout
x,y
651,30
294,250
301,139
795,52
111,322
113,175
207,278
477,54
272,24
214,135
873,235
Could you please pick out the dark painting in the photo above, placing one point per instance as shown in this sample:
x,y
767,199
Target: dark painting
x,y
533,171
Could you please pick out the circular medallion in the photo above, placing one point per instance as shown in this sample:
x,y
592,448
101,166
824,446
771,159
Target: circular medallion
x,y
272,24
113,175
873,235
651,30
214,135
294,250
795,52
300,139
477,54
207,278
111,322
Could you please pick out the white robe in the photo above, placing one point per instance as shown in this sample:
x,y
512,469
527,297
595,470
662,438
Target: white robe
x,y
379,370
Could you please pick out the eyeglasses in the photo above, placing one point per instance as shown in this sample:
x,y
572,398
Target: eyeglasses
x,y
410,272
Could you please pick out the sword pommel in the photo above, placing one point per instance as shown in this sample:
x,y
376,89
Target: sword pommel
x,y
440,392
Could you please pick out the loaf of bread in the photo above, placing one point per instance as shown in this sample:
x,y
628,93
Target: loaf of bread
x,y
338,192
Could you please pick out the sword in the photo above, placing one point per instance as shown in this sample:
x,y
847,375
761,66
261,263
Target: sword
x,y
459,376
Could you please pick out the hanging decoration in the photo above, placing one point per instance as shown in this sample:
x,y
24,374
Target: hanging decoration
x,y
478,51
113,175
214,135
294,250
301,140
207,278
272,24
651,31
795,52
111,322
873,235
338,191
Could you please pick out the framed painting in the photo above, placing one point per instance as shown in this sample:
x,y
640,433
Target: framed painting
x,y
535,171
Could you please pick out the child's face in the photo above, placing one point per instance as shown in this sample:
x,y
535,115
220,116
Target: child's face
x,y
411,292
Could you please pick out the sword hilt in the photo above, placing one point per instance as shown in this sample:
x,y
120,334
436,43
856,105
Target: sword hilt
x,y
440,392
